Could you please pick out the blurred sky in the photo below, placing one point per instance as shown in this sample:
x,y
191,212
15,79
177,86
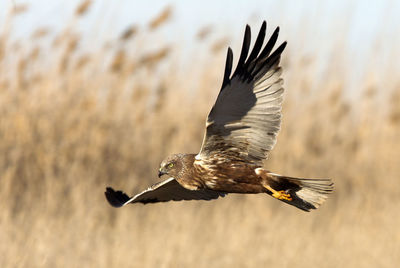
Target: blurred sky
x,y
360,27
367,17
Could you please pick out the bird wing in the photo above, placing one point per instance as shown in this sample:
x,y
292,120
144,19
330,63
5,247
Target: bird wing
x,y
163,191
246,117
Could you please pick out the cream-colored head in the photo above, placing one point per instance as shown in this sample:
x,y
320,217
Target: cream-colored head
x,y
172,166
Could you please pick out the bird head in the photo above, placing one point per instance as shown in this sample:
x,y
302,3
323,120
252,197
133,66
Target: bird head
x,y
171,166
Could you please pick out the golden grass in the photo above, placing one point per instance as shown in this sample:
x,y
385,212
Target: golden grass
x,y
83,7
78,123
161,18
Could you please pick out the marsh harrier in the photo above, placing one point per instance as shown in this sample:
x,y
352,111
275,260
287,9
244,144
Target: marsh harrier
x,y
241,130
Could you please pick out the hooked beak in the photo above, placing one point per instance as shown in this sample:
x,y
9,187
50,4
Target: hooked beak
x,y
160,173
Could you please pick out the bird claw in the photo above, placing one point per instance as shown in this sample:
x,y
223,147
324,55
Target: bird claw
x,y
282,195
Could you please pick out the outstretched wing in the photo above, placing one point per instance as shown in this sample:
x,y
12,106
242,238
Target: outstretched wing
x,y
163,191
246,117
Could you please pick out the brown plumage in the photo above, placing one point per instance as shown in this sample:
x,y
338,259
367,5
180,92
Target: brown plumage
x,y
241,130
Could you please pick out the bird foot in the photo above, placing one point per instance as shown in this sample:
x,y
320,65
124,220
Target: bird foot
x,y
282,195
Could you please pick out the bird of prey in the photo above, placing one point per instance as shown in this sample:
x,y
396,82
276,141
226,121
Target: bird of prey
x,y
241,130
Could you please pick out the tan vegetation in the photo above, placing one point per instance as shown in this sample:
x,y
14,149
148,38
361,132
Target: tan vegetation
x,y
72,123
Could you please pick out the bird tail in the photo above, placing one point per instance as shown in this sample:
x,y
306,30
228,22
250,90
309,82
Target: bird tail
x,y
305,194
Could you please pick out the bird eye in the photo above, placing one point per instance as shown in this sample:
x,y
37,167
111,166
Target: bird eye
x,y
170,165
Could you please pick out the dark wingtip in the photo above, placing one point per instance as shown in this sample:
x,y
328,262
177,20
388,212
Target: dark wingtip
x,y
230,53
257,45
281,48
115,198
245,50
228,68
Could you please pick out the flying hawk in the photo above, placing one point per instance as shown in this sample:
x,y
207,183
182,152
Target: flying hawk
x,y
241,130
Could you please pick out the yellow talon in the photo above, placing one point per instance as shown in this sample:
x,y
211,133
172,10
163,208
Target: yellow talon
x,y
281,195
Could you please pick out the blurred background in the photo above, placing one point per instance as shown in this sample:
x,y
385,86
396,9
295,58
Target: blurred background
x,y
97,93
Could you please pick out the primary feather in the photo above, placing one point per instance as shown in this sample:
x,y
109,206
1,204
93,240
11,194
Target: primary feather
x,y
246,117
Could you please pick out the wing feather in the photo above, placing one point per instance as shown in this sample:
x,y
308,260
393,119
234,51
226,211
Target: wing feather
x,y
167,190
228,67
244,52
246,116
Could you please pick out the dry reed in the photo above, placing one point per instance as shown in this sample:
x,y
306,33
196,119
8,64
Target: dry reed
x,y
72,126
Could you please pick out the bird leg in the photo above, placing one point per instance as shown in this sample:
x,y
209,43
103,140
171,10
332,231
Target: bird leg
x,y
281,195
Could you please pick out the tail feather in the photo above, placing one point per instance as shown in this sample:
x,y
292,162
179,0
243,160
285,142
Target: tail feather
x,y
306,194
